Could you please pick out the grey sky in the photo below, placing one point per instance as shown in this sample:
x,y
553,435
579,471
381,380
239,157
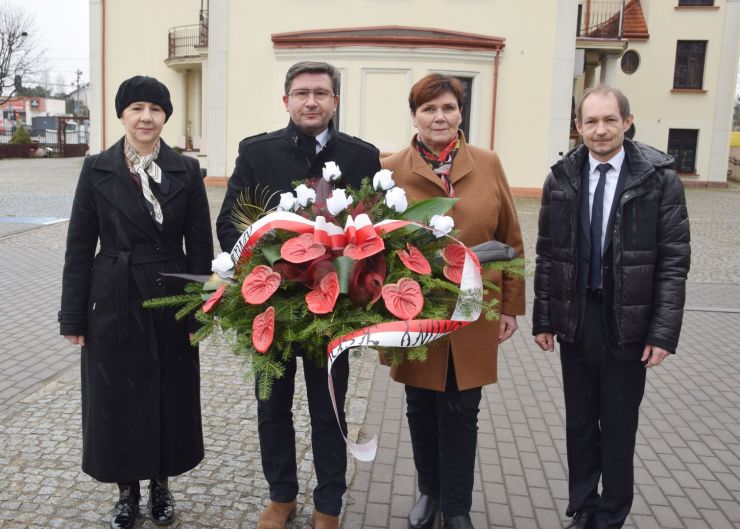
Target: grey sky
x,y
62,27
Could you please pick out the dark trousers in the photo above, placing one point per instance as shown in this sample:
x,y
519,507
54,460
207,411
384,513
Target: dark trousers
x,y
277,436
602,405
444,435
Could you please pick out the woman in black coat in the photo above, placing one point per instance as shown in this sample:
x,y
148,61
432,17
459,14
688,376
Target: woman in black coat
x,y
140,201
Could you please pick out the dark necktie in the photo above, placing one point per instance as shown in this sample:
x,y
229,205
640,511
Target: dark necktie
x,y
597,219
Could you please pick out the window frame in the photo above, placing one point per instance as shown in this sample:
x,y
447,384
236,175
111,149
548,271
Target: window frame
x,y
467,84
695,3
683,145
623,60
688,76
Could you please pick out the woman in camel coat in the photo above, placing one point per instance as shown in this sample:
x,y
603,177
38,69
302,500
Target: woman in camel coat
x,y
444,392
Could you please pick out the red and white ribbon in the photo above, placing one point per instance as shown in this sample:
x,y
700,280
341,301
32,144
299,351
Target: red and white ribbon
x,y
411,333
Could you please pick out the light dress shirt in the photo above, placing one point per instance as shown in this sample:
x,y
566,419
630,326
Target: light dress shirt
x,y
612,176
321,140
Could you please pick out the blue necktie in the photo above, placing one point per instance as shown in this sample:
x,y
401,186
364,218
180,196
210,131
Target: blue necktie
x,y
597,220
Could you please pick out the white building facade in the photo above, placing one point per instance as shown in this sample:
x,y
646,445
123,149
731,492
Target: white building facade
x,y
523,65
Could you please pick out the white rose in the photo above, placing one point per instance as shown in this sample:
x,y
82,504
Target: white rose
x,y
338,201
383,180
441,224
396,199
331,172
223,265
287,201
305,195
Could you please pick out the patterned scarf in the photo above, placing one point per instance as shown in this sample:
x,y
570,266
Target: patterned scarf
x,y
441,164
145,167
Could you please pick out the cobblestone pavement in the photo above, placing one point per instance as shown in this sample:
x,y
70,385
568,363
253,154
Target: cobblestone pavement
x,y
687,467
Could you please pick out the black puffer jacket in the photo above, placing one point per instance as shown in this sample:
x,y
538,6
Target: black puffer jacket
x,y
645,266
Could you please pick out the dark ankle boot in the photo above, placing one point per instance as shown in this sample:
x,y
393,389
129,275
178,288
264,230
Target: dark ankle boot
x,y
161,503
127,508
458,522
424,513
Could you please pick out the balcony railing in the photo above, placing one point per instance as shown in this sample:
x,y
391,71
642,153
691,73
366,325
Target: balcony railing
x,y
183,41
602,20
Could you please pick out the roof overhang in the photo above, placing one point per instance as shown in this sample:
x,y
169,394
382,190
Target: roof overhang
x,y
388,36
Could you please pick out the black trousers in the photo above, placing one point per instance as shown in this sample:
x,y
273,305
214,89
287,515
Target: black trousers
x,y
277,436
602,405
444,435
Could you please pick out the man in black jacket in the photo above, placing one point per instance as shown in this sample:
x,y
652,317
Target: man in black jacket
x,y
269,163
612,259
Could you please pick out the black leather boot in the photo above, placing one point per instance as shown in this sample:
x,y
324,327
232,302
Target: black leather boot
x,y
458,522
161,504
585,519
127,508
424,514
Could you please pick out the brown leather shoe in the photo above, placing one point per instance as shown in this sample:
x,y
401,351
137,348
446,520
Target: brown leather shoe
x,y
277,514
325,521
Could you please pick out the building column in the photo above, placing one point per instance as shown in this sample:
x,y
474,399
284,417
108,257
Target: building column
x,y
185,77
203,102
562,84
197,111
95,101
218,27
723,104
608,69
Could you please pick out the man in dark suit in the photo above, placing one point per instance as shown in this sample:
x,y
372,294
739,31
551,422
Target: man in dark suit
x,y
612,259
272,162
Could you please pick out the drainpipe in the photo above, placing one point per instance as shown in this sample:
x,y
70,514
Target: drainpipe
x,y
621,21
495,92
103,107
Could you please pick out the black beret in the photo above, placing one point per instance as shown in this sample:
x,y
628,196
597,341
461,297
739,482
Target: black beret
x,y
142,88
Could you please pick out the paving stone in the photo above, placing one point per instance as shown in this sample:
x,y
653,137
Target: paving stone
x,y
687,466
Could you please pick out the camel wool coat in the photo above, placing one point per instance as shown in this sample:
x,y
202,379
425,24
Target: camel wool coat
x,y
485,211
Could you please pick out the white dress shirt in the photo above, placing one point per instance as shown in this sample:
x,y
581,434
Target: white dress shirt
x,y
612,176
321,140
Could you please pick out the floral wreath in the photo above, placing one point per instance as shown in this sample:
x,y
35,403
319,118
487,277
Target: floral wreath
x,y
296,280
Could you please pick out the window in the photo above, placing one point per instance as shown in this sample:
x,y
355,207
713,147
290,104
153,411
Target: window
x,y
696,2
689,70
467,85
630,62
682,146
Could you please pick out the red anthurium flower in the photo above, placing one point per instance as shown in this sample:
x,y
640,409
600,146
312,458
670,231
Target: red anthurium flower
x,y
215,298
263,329
260,284
318,269
308,275
364,249
366,280
321,300
301,249
454,256
403,299
415,260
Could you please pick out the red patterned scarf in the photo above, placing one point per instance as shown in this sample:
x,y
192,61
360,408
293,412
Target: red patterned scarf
x,y
441,164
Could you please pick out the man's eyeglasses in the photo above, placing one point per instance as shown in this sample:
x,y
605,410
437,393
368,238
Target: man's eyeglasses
x,y
302,94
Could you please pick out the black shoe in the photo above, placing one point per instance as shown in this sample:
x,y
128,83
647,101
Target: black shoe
x,y
583,520
424,513
161,504
458,522
126,510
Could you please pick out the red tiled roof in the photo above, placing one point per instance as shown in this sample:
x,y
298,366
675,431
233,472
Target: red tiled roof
x,y
634,25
